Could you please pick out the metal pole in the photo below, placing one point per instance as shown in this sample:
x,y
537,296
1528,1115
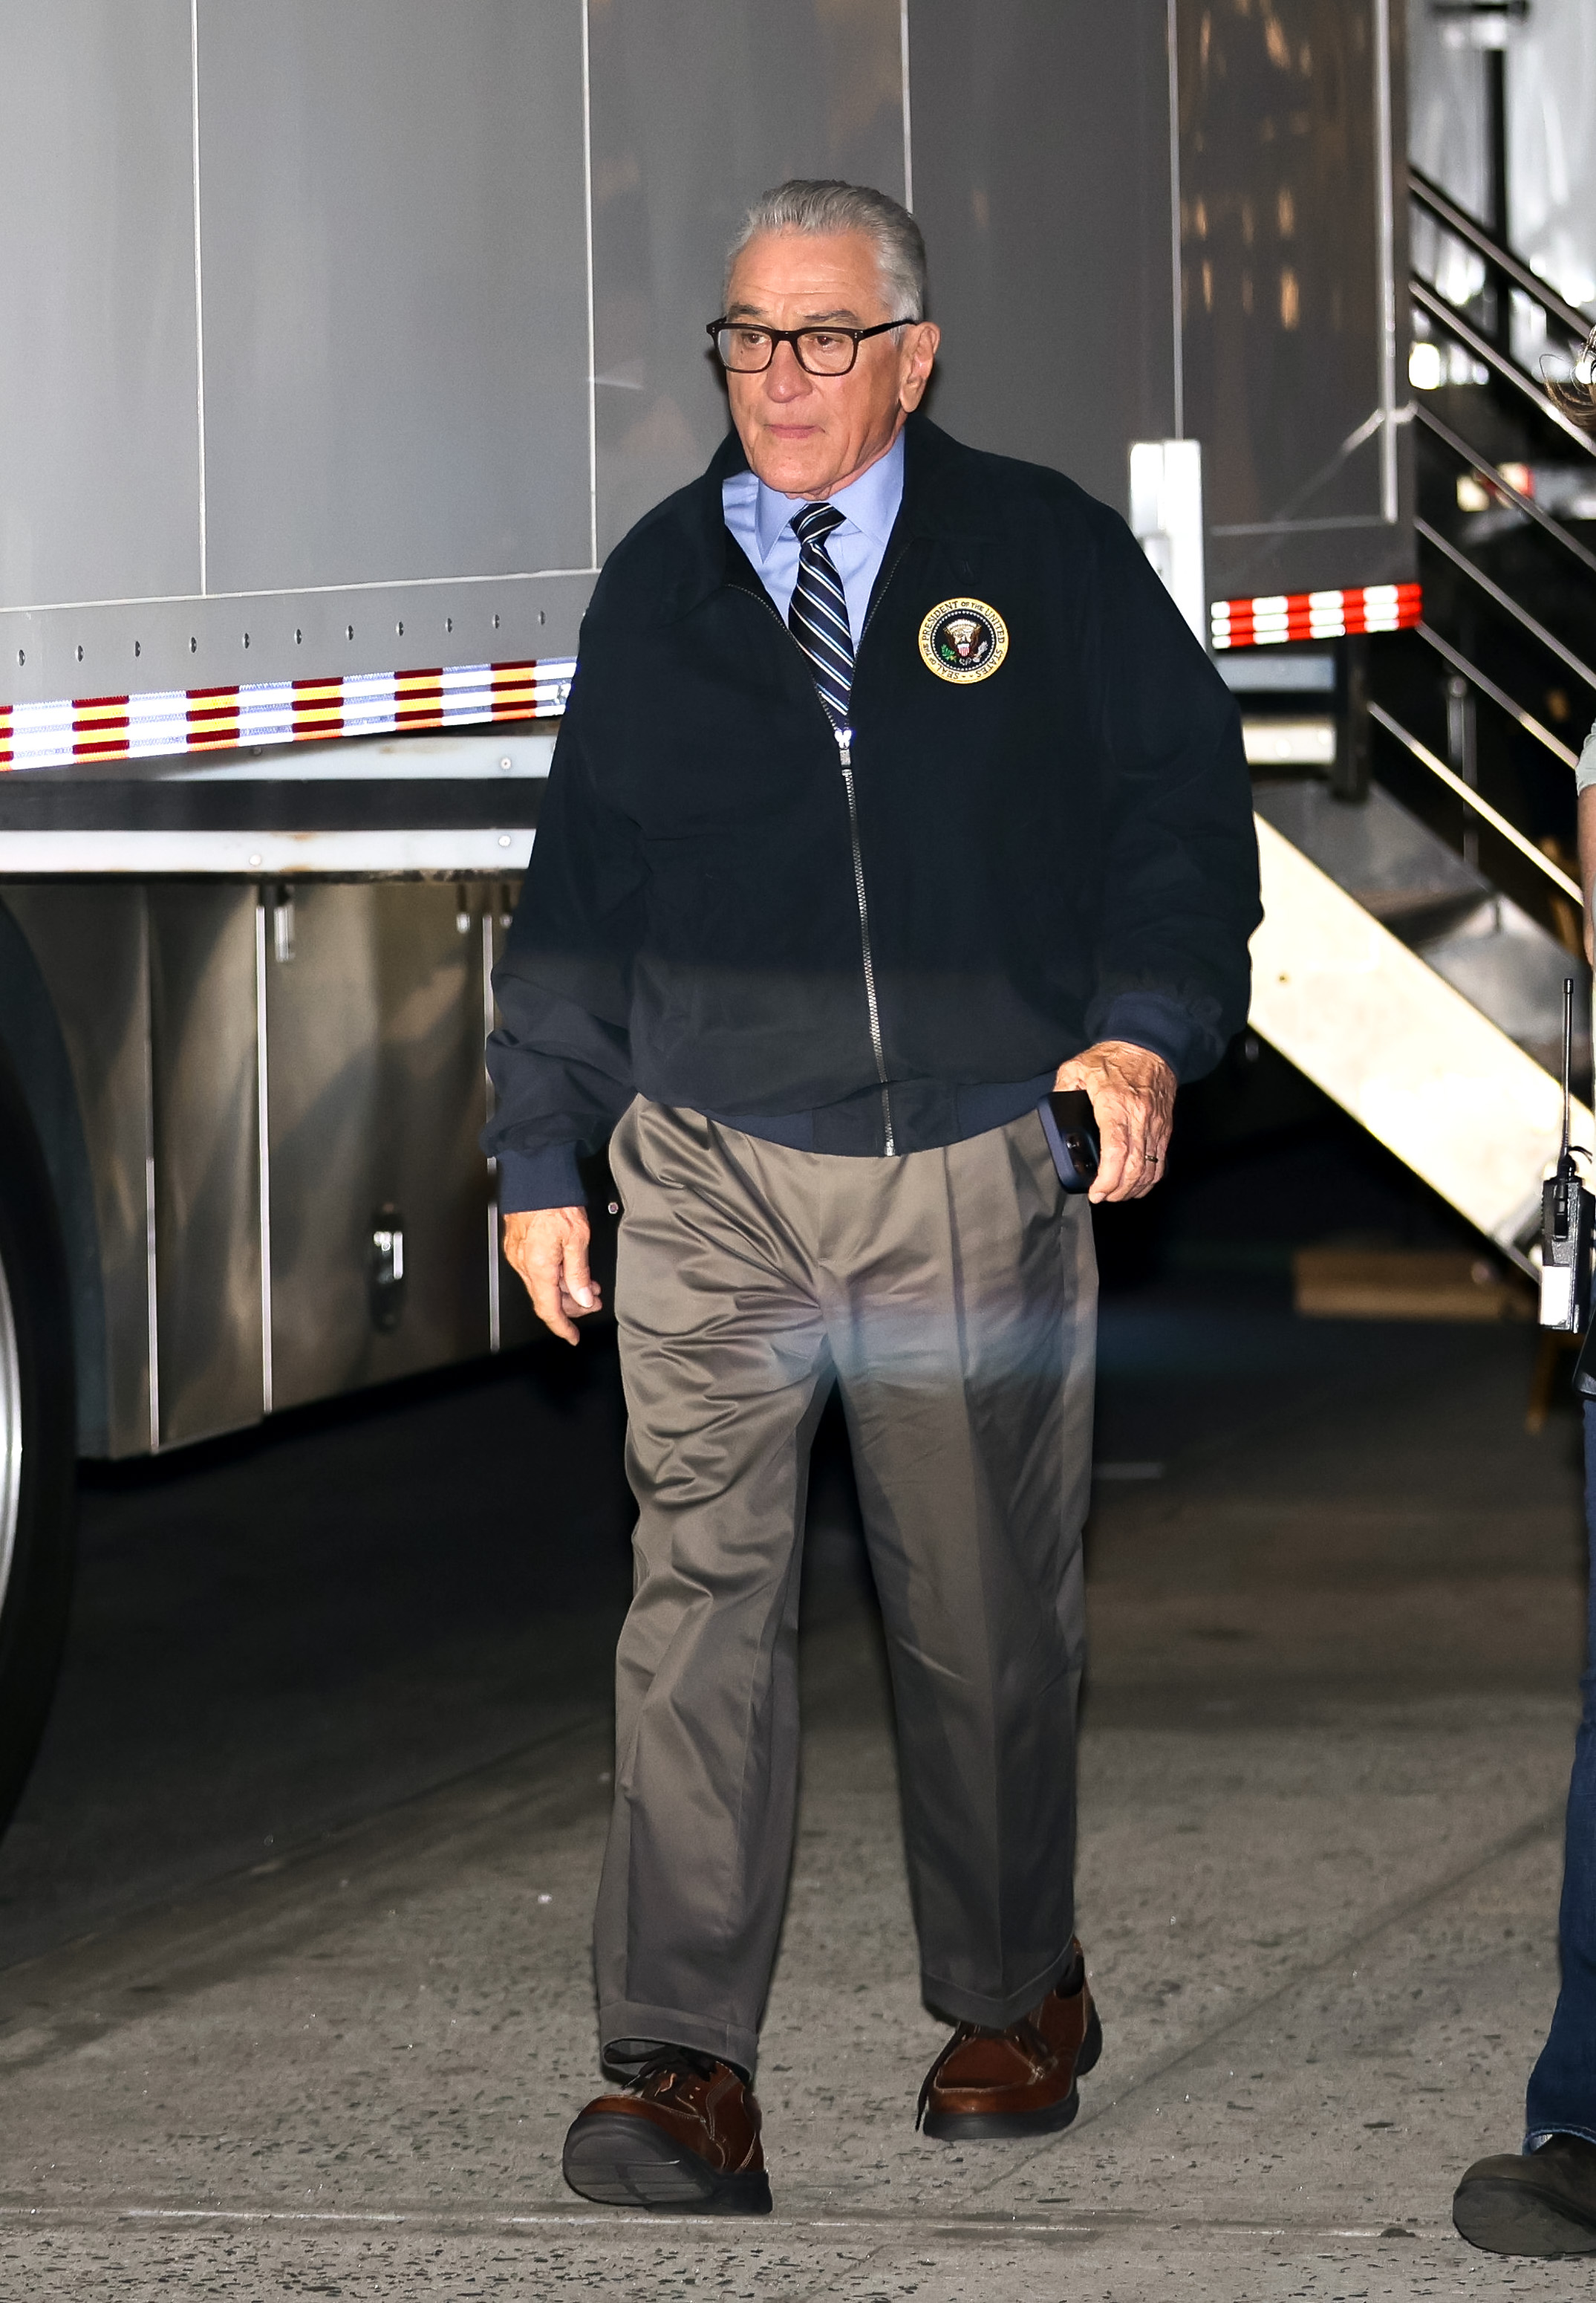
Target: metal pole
x,y
1350,777
1495,61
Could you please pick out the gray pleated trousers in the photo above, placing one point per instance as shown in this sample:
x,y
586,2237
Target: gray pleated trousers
x,y
952,1293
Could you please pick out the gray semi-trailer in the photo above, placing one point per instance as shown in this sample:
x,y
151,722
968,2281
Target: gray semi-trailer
x,y
341,339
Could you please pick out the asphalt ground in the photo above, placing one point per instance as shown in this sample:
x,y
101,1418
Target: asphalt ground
x,y
294,1992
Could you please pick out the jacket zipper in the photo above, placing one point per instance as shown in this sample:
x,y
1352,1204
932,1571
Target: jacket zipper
x,y
844,749
844,737
845,745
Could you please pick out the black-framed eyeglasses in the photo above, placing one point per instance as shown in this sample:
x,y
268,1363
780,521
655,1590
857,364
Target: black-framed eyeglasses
x,y
746,348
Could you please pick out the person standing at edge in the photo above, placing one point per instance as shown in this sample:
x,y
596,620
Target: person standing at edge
x,y
1541,2200
892,791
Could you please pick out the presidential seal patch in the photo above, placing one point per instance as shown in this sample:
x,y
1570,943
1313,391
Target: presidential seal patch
x,y
963,640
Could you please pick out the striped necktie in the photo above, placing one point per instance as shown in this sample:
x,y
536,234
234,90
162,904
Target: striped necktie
x,y
818,618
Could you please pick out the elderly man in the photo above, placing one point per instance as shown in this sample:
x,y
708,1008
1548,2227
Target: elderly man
x,y
892,792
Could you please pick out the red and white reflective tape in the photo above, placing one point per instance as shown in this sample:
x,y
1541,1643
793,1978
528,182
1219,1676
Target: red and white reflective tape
x,y
1315,615
279,712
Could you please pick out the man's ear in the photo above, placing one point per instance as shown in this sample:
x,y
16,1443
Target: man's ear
x,y
912,390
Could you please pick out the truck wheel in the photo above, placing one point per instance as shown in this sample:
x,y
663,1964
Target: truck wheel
x,y
38,1445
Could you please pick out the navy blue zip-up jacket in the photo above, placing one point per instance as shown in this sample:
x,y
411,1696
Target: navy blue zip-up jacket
x,y
1058,854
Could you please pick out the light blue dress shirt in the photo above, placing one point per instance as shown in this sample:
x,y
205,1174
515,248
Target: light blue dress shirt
x,y
760,521
1585,775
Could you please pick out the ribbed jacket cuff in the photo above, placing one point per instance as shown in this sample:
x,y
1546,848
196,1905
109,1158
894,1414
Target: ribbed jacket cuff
x,y
1151,1020
549,1178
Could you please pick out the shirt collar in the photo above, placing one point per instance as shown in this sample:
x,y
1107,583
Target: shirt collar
x,y
870,502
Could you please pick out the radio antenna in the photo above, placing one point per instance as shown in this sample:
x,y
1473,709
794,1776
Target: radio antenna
x,y
1568,1066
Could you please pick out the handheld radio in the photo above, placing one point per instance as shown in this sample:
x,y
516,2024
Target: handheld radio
x,y
1072,1131
1566,1211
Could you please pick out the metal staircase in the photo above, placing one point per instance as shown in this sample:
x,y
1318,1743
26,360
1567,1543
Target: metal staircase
x,y
1421,911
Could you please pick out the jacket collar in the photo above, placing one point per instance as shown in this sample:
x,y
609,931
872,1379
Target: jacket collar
x,y
938,500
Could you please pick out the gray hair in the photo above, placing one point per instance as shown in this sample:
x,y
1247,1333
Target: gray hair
x,y
827,206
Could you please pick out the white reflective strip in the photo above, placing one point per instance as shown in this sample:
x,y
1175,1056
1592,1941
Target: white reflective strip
x,y
144,711
1379,595
1273,603
267,716
151,743
154,735
146,726
1328,600
44,751
41,719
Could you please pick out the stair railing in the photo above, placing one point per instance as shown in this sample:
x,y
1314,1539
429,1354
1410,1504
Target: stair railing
x,y
1507,270
1482,808
1500,259
1497,696
1483,348
1487,472
1504,601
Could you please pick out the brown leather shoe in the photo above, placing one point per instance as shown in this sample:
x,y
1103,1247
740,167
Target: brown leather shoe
x,y
683,2135
985,2085
1532,2202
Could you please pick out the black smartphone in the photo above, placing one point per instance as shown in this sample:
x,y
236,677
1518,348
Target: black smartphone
x,y
1071,1133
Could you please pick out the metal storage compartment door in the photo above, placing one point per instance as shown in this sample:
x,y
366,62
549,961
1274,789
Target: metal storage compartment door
x,y
202,977
90,942
395,295
99,427
294,382
373,1005
1293,336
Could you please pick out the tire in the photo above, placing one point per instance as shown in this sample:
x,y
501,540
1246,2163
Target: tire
x,y
38,1444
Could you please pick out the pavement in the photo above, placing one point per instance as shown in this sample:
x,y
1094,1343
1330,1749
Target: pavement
x,y
1336,1595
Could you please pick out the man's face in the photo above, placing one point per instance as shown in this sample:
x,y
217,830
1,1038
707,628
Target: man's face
x,y
808,436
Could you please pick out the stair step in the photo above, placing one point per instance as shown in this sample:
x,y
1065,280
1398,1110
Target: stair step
x,y
1484,945
1418,1064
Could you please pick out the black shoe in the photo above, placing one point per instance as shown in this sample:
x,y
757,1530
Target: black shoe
x,y
1531,2203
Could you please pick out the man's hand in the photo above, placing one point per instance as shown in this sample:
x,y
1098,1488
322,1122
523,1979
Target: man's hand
x,y
549,1248
1133,1098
